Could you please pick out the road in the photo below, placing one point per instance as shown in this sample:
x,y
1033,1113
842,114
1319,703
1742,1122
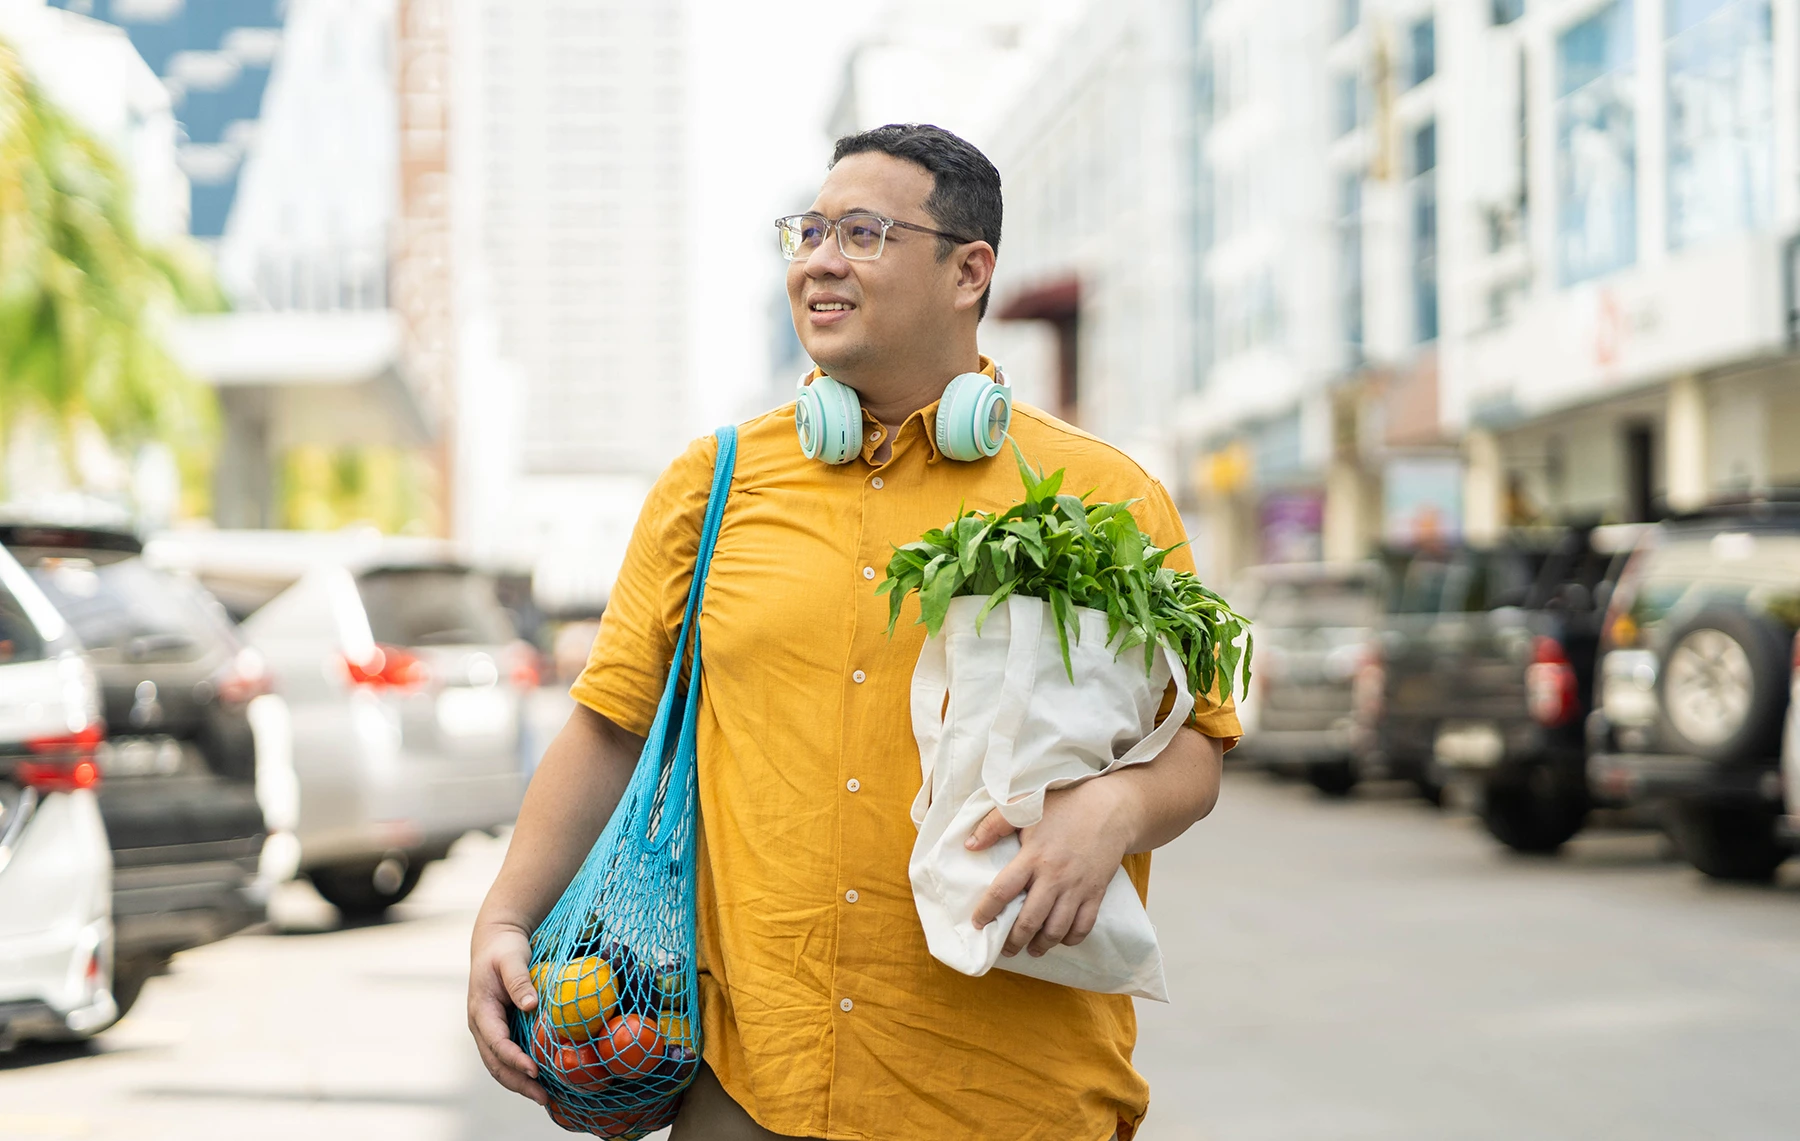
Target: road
x,y
1369,969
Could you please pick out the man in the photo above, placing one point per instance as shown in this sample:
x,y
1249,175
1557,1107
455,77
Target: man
x,y
824,1014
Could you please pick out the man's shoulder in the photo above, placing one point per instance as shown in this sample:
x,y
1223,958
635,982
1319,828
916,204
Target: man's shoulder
x,y
1050,443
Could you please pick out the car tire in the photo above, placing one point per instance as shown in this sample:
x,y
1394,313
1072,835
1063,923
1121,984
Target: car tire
x,y
1729,841
365,890
1723,685
1535,809
1333,778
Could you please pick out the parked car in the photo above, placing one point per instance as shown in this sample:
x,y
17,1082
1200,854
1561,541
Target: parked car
x,y
56,934
1313,624
179,762
1522,673
405,680
1695,683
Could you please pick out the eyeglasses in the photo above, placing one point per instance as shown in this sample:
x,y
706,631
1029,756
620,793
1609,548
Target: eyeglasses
x,y
860,237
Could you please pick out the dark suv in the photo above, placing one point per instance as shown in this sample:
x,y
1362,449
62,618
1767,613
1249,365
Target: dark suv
x,y
179,794
1694,683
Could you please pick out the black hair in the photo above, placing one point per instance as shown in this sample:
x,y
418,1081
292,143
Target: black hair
x,y
965,193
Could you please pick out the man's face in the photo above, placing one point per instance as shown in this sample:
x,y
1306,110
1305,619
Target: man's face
x,y
850,312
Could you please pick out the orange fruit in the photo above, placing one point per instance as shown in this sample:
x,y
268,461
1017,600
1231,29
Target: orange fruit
x,y
629,1044
577,997
677,1031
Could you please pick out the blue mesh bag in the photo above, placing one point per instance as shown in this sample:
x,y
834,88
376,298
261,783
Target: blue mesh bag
x,y
616,1034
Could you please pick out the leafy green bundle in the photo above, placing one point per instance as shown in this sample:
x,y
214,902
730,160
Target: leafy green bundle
x,y
1073,554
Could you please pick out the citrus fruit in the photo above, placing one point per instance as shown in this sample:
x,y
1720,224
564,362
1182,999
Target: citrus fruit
x,y
578,997
630,1042
677,1031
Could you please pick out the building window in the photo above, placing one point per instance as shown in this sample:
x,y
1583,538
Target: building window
x,y
1350,263
1423,189
1506,11
1424,149
1422,39
1721,118
1596,147
1349,15
1347,103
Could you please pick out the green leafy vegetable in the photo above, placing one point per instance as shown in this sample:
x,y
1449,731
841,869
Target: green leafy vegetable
x,y
1073,554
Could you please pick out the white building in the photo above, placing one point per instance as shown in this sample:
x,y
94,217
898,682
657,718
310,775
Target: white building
x,y
1619,280
569,175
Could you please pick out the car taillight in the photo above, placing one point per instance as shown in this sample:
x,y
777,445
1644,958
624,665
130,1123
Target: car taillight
x,y
522,666
65,761
1550,689
243,678
388,667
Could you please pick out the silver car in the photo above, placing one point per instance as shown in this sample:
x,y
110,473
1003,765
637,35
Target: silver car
x,y
406,686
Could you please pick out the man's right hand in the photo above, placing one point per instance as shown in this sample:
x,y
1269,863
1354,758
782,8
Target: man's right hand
x,y
499,979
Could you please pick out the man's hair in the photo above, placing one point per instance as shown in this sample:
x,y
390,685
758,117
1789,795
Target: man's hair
x,y
965,193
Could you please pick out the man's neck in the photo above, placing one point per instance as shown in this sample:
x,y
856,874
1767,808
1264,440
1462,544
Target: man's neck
x,y
891,394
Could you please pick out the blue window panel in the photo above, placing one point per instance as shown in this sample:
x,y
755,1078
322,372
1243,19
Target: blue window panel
x,y
1422,38
1596,146
1721,128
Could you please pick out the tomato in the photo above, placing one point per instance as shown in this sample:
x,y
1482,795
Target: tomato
x,y
578,1067
574,1120
629,1044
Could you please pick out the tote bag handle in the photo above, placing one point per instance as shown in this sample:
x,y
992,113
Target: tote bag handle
x,y
650,824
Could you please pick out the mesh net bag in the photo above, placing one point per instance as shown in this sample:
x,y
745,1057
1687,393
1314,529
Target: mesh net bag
x,y
616,1033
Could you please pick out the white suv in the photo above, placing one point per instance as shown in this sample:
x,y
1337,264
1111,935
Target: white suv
x,y
56,941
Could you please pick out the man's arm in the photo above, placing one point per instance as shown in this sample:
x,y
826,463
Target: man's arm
x,y
572,795
1066,860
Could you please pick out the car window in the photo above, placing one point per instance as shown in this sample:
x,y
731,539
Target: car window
x,y
19,637
1318,602
1686,573
1495,578
128,611
435,606
1421,587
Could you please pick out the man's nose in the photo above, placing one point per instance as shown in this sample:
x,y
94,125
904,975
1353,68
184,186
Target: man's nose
x,y
827,258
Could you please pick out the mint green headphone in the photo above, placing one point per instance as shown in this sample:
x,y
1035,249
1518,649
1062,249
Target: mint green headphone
x,y
972,418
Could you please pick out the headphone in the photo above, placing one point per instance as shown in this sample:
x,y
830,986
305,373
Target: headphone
x,y
972,418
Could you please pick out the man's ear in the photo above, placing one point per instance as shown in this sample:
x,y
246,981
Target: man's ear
x,y
974,273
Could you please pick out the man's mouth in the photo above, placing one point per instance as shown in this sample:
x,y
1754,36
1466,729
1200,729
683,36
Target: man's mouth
x,y
831,306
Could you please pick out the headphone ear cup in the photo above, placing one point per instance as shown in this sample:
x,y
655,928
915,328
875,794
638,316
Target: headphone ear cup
x,y
973,417
828,420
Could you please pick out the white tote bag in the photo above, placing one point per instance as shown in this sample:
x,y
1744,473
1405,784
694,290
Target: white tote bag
x,y
999,723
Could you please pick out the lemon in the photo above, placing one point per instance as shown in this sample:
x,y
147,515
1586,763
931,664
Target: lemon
x,y
578,996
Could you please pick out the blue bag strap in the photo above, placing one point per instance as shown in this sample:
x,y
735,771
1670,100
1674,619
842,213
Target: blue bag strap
x,y
682,758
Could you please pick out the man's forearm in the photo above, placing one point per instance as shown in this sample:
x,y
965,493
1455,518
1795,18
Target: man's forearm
x,y
1166,796
572,795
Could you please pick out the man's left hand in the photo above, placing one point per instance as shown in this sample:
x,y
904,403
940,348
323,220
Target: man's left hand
x,y
1064,865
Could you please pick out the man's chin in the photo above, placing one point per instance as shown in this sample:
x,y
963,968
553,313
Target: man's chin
x,y
833,353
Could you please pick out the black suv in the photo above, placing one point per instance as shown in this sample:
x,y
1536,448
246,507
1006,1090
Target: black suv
x,y
1481,672
179,794
1694,681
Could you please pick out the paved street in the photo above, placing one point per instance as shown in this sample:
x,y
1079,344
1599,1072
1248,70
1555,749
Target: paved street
x,y
1360,970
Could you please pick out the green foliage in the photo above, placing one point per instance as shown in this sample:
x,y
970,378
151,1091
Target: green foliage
x,y
1072,554
83,300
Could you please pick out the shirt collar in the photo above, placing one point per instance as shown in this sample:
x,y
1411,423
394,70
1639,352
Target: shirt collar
x,y
926,418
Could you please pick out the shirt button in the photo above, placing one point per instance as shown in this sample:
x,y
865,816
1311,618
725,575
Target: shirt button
x,y
850,896
853,784
868,572
846,1006
859,677
875,436
876,483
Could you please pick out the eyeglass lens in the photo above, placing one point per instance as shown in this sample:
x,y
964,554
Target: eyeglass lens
x,y
860,236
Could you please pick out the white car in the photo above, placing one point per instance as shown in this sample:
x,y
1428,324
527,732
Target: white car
x,y
56,939
1790,753
405,685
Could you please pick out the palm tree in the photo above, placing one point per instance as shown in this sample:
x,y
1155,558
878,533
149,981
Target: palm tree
x,y
83,302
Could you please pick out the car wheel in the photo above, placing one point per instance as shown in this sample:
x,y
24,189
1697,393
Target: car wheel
x,y
1729,841
1534,810
1724,684
365,891
129,976
1333,778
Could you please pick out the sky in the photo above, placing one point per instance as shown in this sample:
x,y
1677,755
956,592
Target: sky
x,y
760,92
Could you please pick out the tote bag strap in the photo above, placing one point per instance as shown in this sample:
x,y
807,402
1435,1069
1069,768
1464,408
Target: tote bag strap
x,y
680,760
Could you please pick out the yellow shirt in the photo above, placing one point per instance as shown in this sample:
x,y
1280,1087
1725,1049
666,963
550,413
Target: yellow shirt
x,y
824,1014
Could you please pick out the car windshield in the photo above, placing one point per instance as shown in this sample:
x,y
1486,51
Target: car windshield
x,y
435,606
127,611
1319,602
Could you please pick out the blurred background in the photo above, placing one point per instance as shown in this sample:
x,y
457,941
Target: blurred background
x,y
340,341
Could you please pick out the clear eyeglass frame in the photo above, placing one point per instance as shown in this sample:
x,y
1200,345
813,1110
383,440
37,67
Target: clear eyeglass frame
x,y
861,235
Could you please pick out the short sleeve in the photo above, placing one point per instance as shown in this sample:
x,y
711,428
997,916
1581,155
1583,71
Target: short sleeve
x,y
1215,714
629,664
